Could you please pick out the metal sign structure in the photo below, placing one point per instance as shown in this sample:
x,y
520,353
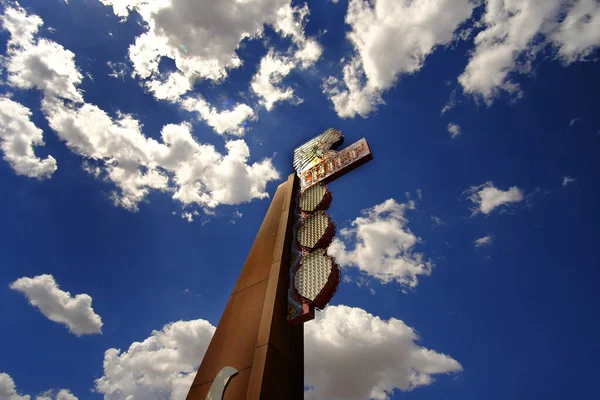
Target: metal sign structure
x,y
314,275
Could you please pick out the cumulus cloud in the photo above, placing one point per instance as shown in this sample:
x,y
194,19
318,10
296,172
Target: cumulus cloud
x,y
160,367
516,31
202,37
567,180
383,245
228,121
195,173
164,364
486,197
115,148
18,136
76,313
454,130
62,394
8,391
483,241
390,39
290,22
34,63
578,35
340,338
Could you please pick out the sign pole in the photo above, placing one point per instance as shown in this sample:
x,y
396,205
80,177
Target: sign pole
x,y
257,350
253,335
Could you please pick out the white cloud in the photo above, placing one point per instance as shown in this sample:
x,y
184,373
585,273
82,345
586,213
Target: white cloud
x,y
189,216
340,338
391,39
22,27
290,22
38,63
483,241
194,172
115,148
163,366
62,394
486,197
452,102
228,121
566,180
160,367
356,98
59,306
383,245
18,136
574,121
118,70
437,221
8,390
516,31
202,38
267,81
578,35
454,130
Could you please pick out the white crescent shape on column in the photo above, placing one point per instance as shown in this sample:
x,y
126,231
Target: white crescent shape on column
x,y
220,382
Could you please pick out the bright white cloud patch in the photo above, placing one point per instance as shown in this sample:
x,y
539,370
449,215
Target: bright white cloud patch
x,y
62,394
391,39
8,392
34,63
454,130
567,180
486,197
353,355
161,367
18,136
383,245
483,241
116,149
228,121
267,81
202,37
195,173
76,313
290,22
516,31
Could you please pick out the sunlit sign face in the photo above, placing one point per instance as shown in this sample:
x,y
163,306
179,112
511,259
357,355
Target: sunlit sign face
x,y
315,162
315,150
314,275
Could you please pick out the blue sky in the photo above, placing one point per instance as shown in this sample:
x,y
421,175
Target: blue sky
x,y
141,144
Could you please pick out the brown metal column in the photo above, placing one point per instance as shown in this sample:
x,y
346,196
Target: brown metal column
x,y
253,335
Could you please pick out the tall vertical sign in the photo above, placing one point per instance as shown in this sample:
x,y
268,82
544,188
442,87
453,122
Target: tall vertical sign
x,y
314,275
257,350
